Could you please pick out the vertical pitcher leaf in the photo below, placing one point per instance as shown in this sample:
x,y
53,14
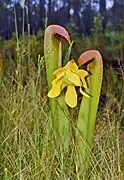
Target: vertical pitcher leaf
x,y
89,106
53,61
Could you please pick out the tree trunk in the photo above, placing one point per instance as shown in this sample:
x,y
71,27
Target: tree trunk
x,y
42,13
103,13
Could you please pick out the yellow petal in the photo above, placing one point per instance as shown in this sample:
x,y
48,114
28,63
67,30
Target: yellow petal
x,y
83,93
63,86
58,78
55,90
82,73
73,78
84,83
71,96
71,65
59,71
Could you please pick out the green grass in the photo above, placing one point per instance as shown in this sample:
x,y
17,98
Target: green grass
x,y
27,148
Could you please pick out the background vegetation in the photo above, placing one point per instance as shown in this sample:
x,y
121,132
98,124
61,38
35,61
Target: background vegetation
x,y
27,150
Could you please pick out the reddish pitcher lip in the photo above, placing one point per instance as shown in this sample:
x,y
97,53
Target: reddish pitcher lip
x,y
87,56
59,30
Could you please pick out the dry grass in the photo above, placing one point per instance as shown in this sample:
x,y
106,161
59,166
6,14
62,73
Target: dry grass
x,y
27,149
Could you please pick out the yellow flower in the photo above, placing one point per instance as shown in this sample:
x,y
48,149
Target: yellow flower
x,y
69,76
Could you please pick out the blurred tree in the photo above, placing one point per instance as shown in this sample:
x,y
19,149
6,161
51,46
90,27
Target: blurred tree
x,y
116,15
19,19
77,7
87,17
50,11
42,13
102,4
6,19
29,14
63,12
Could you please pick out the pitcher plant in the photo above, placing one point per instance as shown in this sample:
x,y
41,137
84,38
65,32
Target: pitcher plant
x,y
63,86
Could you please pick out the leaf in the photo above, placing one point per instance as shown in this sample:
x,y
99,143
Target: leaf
x,y
53,61
89,106
67,56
